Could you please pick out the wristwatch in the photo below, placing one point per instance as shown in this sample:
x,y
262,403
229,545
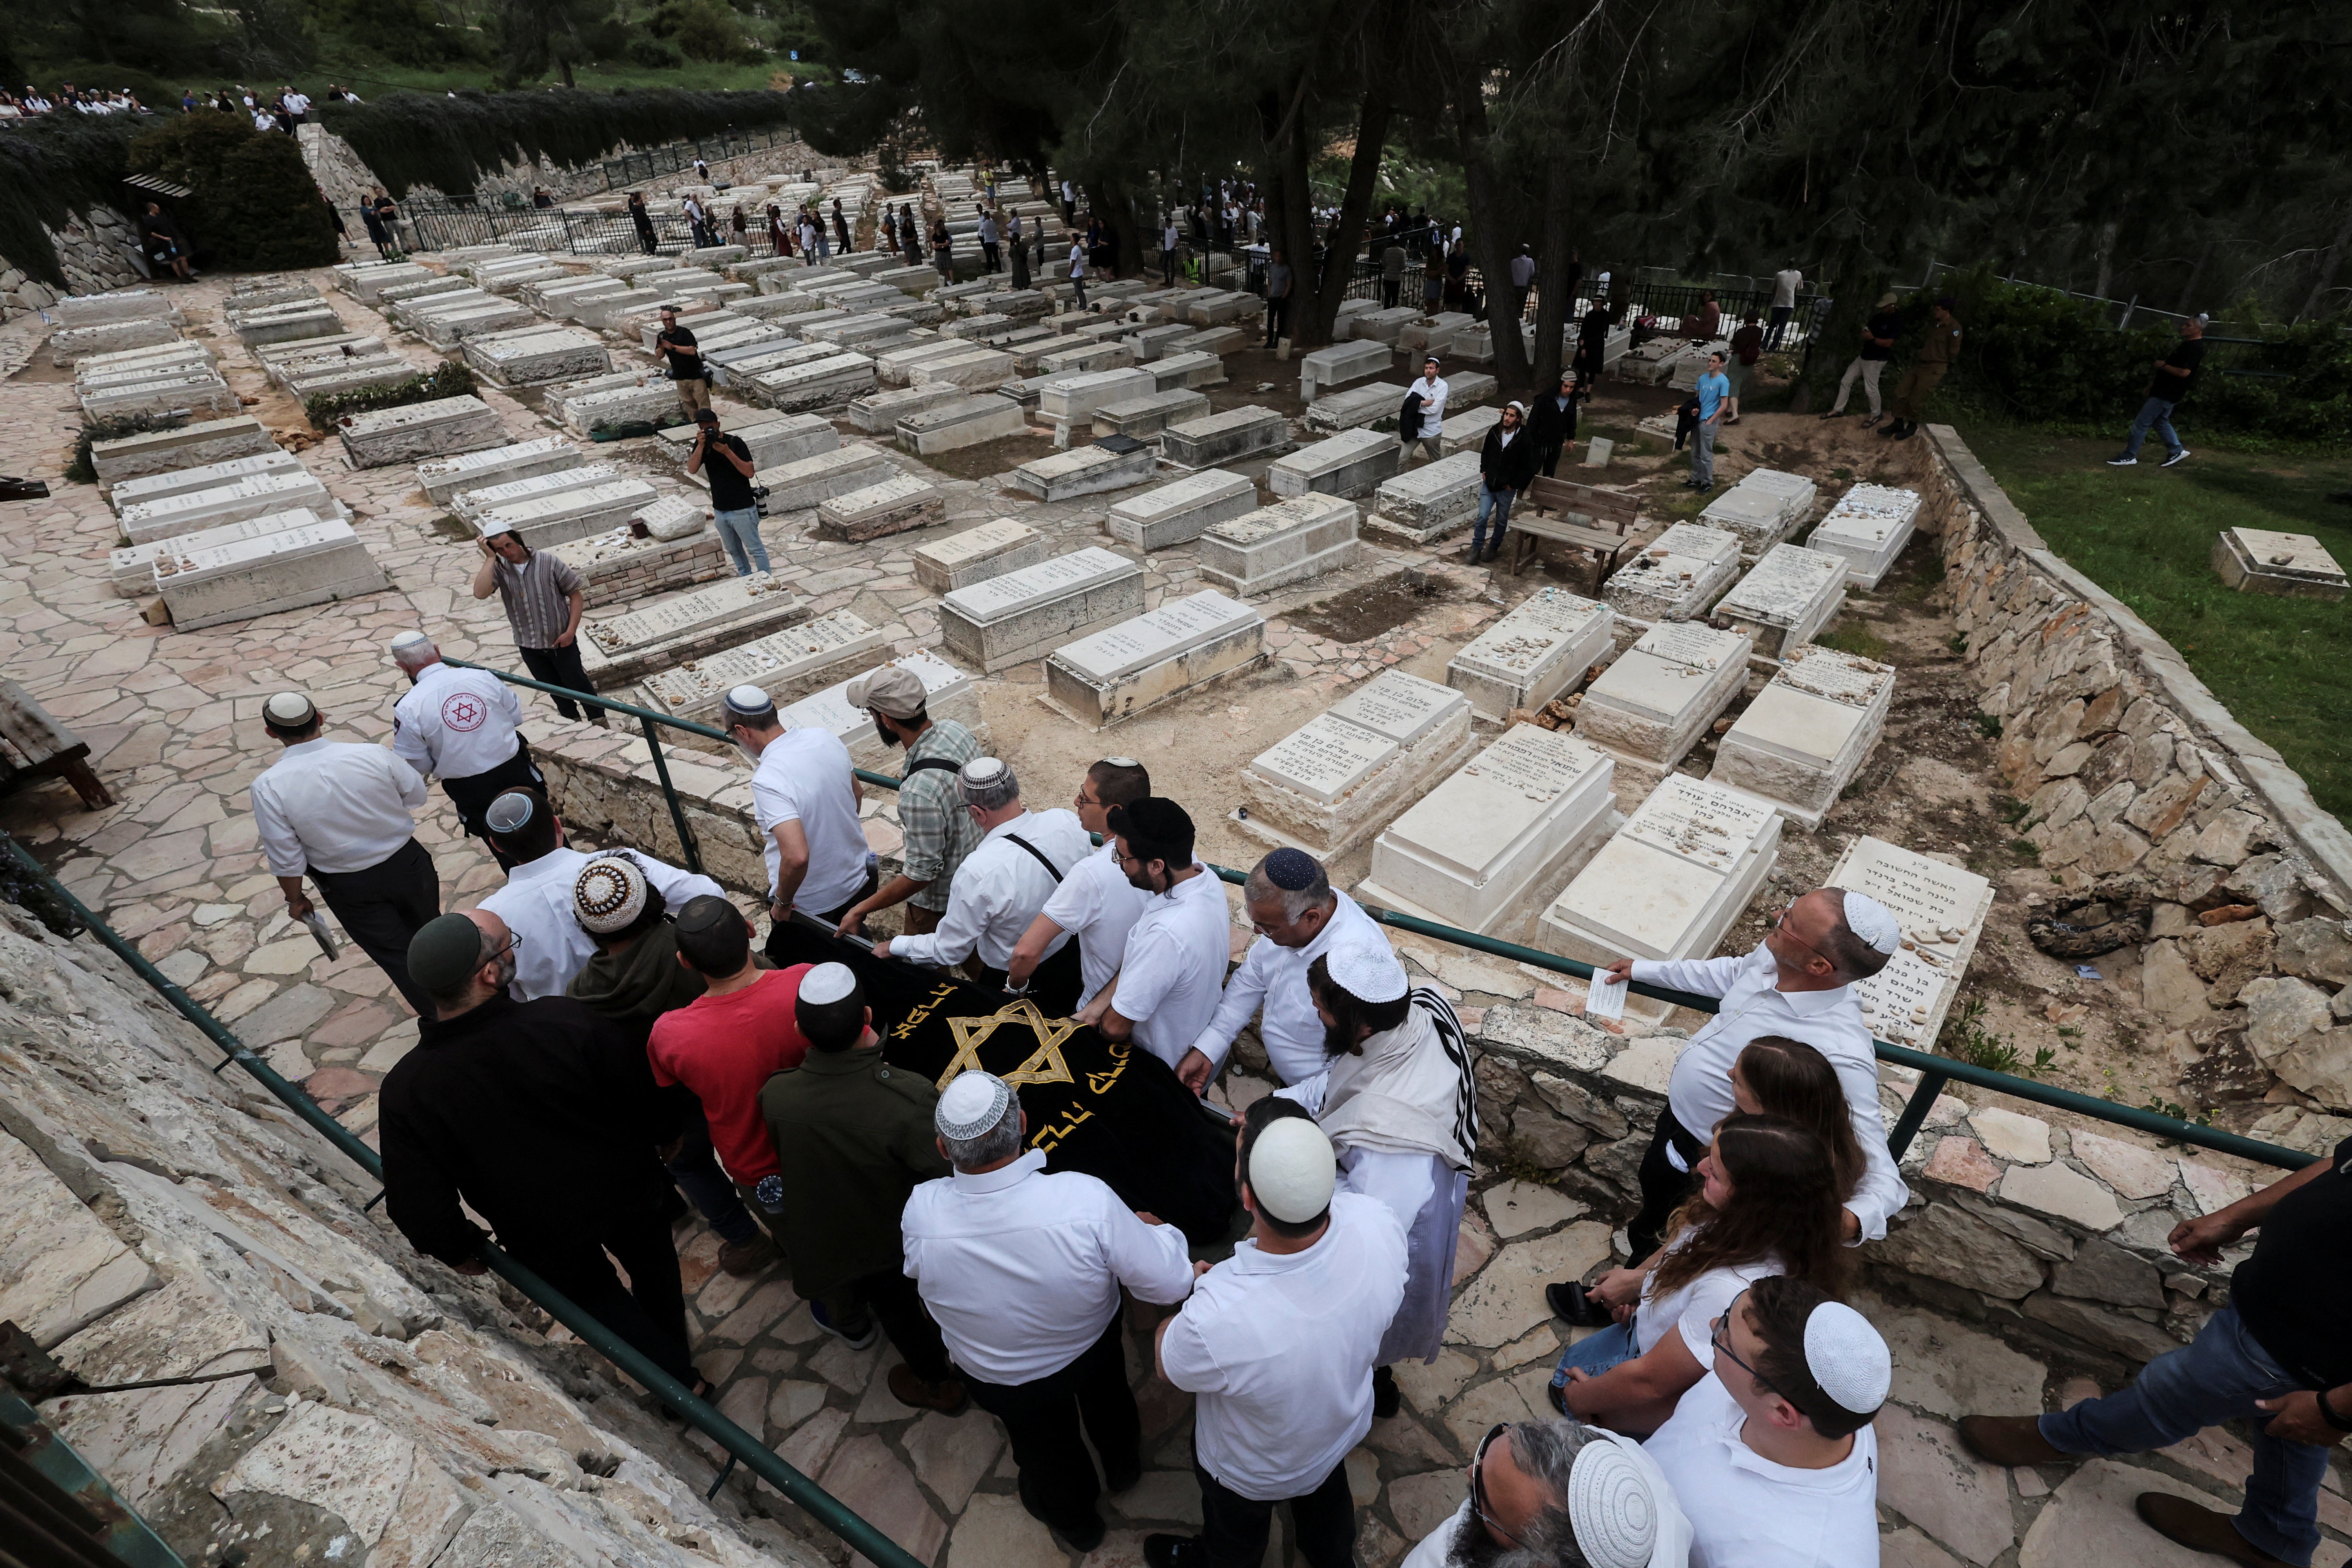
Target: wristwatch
x,y
2327,1412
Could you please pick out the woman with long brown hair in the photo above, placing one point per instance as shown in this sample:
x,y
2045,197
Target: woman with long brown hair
x,y
1767,1204
1776,1076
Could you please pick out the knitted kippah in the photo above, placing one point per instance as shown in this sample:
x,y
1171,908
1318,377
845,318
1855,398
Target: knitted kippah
x,y
747,701
1874,922
288,710
1611,1506
609,894
828,983
1367,971
444,949
972,1104
1847,1358
1292,870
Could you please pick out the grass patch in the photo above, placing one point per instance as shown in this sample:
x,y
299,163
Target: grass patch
x,y
1858,641
1965,1037
2146,535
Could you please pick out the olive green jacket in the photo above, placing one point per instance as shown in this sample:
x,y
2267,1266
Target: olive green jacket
x,y
854,1135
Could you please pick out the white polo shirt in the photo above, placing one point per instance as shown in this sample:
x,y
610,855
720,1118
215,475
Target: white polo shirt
x,y
999,890
1022,1270
1279,1351
455,723
1276,978
334,806
1097,904
538,906
805,775
1746,1511
1173,976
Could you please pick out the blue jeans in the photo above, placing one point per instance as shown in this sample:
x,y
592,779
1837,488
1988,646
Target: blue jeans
x,y
1498,503
1595,1353
2215,1379
696,1171
739,532
2155,414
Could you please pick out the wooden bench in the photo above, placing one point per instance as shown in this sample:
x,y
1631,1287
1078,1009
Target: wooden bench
x,y
1611,534
34,745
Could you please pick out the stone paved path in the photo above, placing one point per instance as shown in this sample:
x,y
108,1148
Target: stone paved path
x,y
172,720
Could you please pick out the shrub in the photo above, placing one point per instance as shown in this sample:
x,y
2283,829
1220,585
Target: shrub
x,y
450,380
113,428
255,206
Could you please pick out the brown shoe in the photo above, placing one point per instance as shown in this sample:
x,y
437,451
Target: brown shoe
x,y
2009,1440
947,1395
747,1258
2200,1528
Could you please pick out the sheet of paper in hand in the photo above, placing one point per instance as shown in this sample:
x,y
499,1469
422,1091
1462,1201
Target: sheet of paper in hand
x,y
1103,1108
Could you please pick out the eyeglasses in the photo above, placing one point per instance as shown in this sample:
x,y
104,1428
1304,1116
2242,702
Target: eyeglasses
x,y
1478,1504
1086,799
1780,924
1717,1339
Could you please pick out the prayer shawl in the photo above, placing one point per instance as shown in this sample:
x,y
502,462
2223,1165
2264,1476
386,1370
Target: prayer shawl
x,y
1411,1091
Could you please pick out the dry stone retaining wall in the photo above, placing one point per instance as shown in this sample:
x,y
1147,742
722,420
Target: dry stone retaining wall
x,y
91,251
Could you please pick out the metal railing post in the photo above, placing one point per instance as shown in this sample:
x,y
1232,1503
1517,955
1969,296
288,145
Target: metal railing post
x,y
1914,1112
685,843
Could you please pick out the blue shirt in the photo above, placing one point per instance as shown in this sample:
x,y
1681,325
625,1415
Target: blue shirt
x,y
1712,388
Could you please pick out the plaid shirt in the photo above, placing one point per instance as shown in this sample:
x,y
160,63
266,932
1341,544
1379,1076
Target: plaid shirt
x,y
940,831
537,595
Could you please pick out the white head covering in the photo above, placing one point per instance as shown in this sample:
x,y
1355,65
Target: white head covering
x,y
1848,1358
408,641
828,982
1292,1170
289,709
748,700
972,1104
1873,922
1367,971
1611,1505
609,893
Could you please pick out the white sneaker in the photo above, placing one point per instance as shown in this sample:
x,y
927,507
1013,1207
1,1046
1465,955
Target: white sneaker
x,y
2176,457
2123,462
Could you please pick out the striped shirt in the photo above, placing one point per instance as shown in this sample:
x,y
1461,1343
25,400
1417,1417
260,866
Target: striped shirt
x,y
537,595
940,831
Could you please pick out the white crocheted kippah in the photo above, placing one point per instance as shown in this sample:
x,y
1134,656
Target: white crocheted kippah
x,y
1847,1358
1874,922
1611,1506
972,1104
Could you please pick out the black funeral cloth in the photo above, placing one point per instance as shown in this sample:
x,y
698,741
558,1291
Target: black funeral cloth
x,y
1110,1109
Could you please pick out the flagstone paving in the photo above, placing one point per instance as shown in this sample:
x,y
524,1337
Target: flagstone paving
x,y
172,720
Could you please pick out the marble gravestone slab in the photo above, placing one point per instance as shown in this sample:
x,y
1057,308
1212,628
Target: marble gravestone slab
x,y
1427,503
448,329
1026,613
1942,910
947,693
897,505
188,445
131,570
1465,430
1808,732
1350,464
209,475
1185,643
827,382
76,345
530,358
631,646
786,665
1660,694
1234,436
743,368
1144,418
471,504
1356,407
1073,399
1382,326
797,485
1084,471
1539,650
1678,576
117,305
878,413
1344,773
1495,841
255,495
894,367
1082,358
1790,595
976,554
312,564
1764,507
1433,334
1670,883
966,422
678,550
1869,526
541,520
443,479
773,441
1180,512
2289,566
1263,550
1195,366
974,370
1322,369
642,399
440,429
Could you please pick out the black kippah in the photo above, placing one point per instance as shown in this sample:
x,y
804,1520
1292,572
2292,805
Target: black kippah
x,y
1292,870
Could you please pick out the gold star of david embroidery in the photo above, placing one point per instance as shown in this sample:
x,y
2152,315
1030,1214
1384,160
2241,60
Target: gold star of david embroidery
x,y
1045,1064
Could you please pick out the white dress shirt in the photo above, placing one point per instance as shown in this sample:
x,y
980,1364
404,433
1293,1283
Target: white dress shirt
x,y
1276,977
1022,1270
805,775
1097,905
334,806
1174,971
455,723
1746,1511
536,905
999,890
1699,1093
1279,1351
1432,405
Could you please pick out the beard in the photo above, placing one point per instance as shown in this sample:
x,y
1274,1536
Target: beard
x,y
889,736
1336,1043
506,969
1472,1547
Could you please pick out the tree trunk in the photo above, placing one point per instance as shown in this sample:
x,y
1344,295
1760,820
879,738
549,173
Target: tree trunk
x,y
1554,293
1289,216
1859,283
2106,259
2327,265
1313,329
2189,290
1488,239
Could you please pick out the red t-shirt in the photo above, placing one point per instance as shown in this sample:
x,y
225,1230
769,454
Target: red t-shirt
x,y
725,1048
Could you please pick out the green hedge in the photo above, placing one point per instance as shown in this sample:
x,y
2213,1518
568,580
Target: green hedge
x,y
255,207
451,379
113,428
418,139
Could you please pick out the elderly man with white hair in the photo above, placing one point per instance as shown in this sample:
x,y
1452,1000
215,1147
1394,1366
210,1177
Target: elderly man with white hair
x,y
1002,885
459,726
1547,1492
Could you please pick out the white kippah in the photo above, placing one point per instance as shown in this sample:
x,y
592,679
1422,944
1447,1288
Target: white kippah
x,y
1122,762
979,770
747,699
411,639
1874,922
1847,1358
1292,1170
972,1104
827,983
289,709
1611,1506
609,893
1367,971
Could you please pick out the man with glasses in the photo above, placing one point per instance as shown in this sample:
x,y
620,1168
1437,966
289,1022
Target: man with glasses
x,y
1095,904
1548,1492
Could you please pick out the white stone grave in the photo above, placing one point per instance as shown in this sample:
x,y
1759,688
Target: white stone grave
x,y
976,554
312,564
974,370
536,356
896,505
1344,773
209,475
1071,400
1677,574
966,422
1350,464
1261,551
1541,648
1808,732
117,305
471,504
233,501
440,429
1235,436
131,570
1180,512
1142,418
1869,526
679,549
1418,505
187,446
1942,910
1492,844
443,479
1766,507
627,647
773,439
1432,334
1660,694
1114,675
1196,366
1670,882
878,413
1356,407
947,693
1322,369
1026,613
541,520
801,485
1465,431
2289,566
818,384
1788,596
72,345
1082,471
786,665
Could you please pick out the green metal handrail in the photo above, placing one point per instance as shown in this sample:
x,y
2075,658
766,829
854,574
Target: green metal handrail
x,y
1935,1071
858,1533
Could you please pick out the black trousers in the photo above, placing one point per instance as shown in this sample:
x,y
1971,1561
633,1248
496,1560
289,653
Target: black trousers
x,y
989,259
1054,984
473,794
1042,1419
1663,1188
1277,312
383,906
830,917
561,667
1233,1528
1167,269
649,1313
892,1300
1390,288
1779,325
1547,460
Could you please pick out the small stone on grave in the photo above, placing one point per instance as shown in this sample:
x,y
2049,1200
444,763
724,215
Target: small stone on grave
x,y
1808,732
1660,694
1670,883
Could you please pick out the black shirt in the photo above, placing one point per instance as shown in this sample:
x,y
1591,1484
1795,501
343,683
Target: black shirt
x,y
685,358
1882,325
2185,354
730,488
1596,327
2291,1294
